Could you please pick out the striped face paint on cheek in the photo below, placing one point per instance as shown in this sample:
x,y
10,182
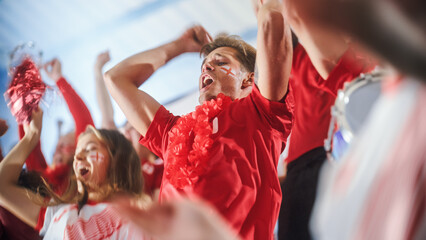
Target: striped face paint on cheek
x,y
99,167
228,71
96,156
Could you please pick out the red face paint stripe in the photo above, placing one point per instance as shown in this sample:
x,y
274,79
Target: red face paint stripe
x,y
228,71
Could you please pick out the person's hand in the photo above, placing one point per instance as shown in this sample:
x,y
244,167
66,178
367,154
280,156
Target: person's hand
x,y
271,4
256,5
194,38
178,220
3,127
263,6
34,127
53,69
102,59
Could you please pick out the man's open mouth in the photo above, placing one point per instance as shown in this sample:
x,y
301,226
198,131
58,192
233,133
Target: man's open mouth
x,y
206,80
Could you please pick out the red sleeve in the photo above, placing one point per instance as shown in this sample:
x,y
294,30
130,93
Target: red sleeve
x,y
40,220
156,138
35,160
279,115
77,107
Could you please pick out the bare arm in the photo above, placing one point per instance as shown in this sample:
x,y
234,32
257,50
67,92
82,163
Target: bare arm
x,y
13,197
383,26
102,94
274,51
124,79
324,47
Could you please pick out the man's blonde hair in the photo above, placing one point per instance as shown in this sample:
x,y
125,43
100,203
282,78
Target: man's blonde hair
x,y
246,54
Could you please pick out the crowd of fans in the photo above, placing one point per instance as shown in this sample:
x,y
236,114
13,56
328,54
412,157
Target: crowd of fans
x,y
212,174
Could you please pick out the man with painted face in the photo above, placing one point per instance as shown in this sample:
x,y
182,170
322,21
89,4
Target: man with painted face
x,y
226,151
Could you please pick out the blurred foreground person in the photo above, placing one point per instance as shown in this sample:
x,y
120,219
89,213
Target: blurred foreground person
x,y
323,62
378,190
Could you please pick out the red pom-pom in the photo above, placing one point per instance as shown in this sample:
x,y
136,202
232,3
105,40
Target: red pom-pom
x,y
25,91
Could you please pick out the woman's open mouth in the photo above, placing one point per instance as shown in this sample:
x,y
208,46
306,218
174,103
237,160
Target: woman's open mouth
x,y
83,171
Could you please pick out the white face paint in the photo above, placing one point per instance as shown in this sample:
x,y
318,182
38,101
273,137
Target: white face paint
x,y
96,156
228,71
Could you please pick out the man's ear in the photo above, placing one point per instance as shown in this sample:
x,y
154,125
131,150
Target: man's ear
x,y
248,80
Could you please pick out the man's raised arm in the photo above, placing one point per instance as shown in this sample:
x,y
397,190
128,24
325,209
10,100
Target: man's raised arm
x,y
274,50
124,79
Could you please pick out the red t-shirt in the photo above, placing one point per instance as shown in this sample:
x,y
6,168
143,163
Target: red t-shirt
x,y
315,96
241,178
